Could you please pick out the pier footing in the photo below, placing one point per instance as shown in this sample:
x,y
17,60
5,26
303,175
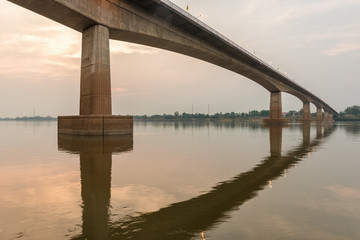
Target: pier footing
x,y
95,125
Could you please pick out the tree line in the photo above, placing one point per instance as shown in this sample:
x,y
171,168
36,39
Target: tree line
x,y
350,113
202,116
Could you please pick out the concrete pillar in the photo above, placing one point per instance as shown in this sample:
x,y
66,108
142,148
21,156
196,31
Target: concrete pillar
x,y
275,105
306,111
326,116
275,115
95,86
318,114
95,91
331,117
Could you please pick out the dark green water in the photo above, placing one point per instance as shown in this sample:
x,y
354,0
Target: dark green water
x,y
181,181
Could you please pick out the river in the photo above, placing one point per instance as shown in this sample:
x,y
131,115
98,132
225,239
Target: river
x,y
181,180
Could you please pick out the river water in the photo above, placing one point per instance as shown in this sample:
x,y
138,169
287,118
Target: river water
x,y
181,180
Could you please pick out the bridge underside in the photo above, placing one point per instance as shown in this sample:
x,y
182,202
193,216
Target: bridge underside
x,y
158,24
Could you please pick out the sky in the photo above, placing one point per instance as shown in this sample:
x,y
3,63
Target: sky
x,y
316,42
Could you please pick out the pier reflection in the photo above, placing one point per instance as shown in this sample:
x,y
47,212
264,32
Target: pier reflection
x,y
306,132
95,167
181,220
275,135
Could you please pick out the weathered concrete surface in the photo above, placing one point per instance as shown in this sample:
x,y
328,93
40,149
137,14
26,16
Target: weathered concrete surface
x,y
306,112
92,125
95,91
275,105
95,85
318,114
326,116
275,115
163,25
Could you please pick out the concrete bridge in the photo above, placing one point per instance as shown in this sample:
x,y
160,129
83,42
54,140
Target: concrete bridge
x,y
160,24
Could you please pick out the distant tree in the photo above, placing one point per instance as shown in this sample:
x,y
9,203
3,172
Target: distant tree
x,y
354,110
254,113
264,113
291,113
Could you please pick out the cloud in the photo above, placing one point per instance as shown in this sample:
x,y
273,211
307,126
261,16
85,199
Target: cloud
x,y
336,33
336,40
342,48
46,51
118,47
291,11
117,91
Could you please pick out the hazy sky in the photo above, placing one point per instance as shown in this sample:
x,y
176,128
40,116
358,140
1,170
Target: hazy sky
x,y
317,42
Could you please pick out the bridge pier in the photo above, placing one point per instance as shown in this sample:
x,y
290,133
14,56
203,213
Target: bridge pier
x,y
95,83
275,115
326,116
318,114
306,112
95,91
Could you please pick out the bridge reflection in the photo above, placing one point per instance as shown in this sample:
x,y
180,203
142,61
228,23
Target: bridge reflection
x,y
95,167
182,220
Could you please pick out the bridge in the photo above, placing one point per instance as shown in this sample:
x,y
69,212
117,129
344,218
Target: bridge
x,y
160,24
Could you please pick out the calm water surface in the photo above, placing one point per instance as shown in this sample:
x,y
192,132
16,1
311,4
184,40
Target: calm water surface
x,y
181,181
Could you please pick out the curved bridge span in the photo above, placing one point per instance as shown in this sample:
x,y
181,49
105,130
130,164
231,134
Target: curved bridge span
x,y
160,24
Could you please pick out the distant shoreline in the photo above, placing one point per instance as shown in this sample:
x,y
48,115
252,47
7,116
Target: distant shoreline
x,y
34,119
180,119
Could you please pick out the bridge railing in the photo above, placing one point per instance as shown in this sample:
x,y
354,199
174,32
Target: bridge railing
x,y
208,28
195,20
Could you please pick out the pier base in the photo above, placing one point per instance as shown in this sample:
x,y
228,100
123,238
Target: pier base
x,y
95,125
275,121
275,116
